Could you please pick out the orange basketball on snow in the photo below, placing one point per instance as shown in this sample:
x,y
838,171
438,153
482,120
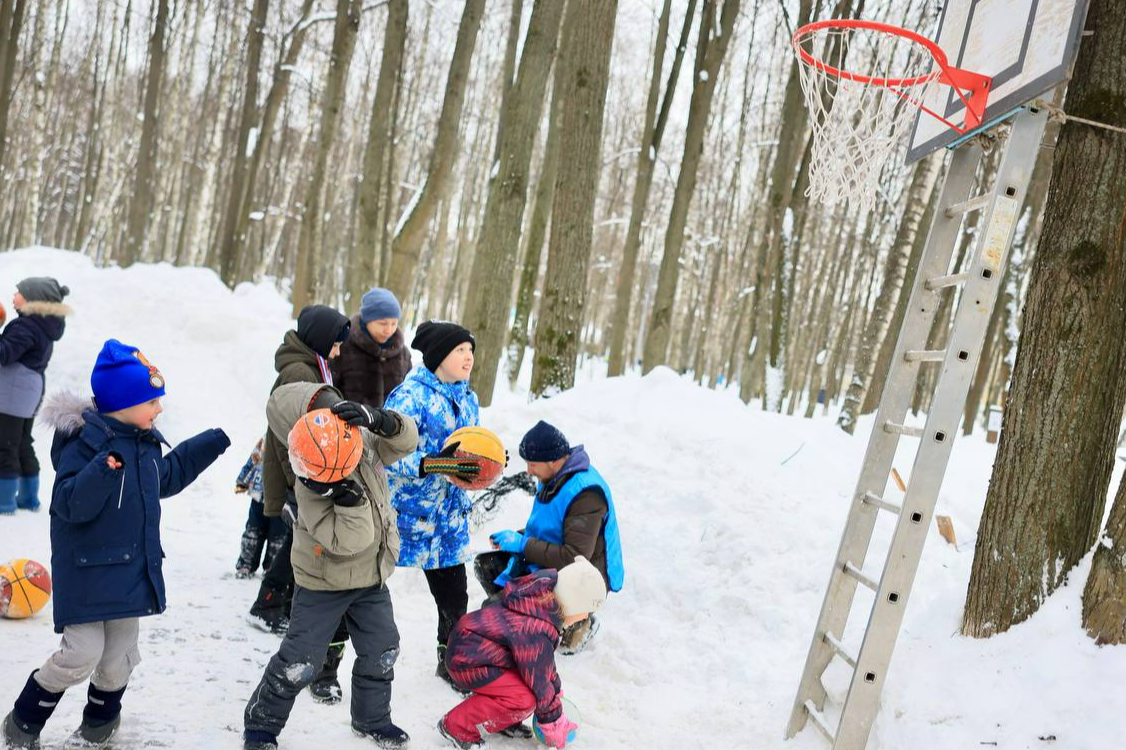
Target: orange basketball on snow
x,y
25,587
484,446
324,447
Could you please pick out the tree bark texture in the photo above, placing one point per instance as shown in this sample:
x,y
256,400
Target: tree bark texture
x,y
588,37
141,201
710,51
411,231
363,272
494,266
1047,494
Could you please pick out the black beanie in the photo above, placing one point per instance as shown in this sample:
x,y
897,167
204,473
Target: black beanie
x,y
544,443
436,339
319,327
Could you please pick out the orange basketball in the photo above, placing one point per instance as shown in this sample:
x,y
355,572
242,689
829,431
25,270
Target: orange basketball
x,y
25,587
484,446
324,447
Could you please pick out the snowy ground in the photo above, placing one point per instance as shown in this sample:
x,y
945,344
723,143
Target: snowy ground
x,y
728,547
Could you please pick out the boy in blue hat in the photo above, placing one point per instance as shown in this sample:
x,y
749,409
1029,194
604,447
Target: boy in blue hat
x,y
110,476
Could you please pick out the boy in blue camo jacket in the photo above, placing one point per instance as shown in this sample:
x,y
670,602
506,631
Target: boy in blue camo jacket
x,y
433,511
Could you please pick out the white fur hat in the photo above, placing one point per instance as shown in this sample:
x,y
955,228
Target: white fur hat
x,y
580,588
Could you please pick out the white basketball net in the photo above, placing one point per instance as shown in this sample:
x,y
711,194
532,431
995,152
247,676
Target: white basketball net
x,y
858,128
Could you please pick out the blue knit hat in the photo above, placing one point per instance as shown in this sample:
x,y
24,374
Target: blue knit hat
x,y
379,304
544,442
122,377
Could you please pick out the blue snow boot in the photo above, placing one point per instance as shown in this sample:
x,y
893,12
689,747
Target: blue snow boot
x,y
28,717
8,488
255,740
27,498
100,720
387,736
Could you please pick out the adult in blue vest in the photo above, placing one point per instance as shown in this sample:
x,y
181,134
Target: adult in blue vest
x,y
573,514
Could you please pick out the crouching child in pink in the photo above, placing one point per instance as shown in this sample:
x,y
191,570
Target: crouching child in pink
x,y
504,654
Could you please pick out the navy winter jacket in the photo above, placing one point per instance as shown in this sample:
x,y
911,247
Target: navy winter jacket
x,y
106,556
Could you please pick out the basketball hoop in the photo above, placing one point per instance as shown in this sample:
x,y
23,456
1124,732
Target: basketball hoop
x,y
859,120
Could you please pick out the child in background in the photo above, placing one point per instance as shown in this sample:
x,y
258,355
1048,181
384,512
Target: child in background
x,y
505,654
26,346
262,534
110,476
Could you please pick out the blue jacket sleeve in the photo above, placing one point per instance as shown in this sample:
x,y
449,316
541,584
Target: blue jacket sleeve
x,y
79,496
407,403
189,459
15,341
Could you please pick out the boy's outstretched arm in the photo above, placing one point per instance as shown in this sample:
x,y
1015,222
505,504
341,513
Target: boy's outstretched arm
x,y
188,460
80,496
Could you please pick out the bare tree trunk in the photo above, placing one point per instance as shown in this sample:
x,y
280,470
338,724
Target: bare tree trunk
x,y
1047,494
141,201
588,37
651,134
411,231
499,241
367,248
537,229
312,221
11,23
710,51
890,290
1104,596
228,261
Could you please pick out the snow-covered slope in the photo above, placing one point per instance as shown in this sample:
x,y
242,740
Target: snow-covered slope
x,y
728,534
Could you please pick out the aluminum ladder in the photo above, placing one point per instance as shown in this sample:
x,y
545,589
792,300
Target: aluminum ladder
x,y
980,287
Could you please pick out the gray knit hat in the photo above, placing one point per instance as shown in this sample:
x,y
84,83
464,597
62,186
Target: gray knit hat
x,y
42,289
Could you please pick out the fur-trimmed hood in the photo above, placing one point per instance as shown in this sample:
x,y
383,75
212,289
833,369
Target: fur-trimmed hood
x,y
46,309
62,411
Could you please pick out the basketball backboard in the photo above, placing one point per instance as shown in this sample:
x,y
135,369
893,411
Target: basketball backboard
x,y
1026,46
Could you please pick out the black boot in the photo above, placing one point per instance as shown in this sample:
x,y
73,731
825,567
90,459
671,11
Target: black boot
x,y
253,540
29,715
444,673
388,736
520,731
269,611
325,687
100,720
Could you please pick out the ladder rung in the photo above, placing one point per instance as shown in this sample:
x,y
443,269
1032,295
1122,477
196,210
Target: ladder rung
x,y
855,572
901,429
873,499
839,650
941,282
819,721
925,355
973,204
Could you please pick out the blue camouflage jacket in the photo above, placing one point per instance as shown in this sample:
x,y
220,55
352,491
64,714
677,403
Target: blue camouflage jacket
x,y
433,513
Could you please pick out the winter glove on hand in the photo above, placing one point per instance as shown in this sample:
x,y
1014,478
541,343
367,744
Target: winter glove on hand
x,y
559,732
446,463
358,415
509,541
345,492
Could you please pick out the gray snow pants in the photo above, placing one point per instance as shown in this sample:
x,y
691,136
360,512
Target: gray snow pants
x,y
312,623
106,649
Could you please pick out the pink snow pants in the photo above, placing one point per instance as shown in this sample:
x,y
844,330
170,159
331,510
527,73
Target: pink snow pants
x,y
500,704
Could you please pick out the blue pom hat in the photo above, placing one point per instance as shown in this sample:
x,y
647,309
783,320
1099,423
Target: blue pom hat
x,y
122,377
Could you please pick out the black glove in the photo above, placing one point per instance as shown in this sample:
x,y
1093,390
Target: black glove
x,y
357,414
345,492
445,463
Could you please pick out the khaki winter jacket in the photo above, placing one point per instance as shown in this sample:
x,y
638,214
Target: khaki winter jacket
x,y
295,363
337,547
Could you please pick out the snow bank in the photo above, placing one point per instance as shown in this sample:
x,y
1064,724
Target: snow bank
x,y
730,519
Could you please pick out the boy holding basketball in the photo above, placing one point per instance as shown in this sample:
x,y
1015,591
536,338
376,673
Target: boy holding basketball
x,y
504,653
106,556
345,544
